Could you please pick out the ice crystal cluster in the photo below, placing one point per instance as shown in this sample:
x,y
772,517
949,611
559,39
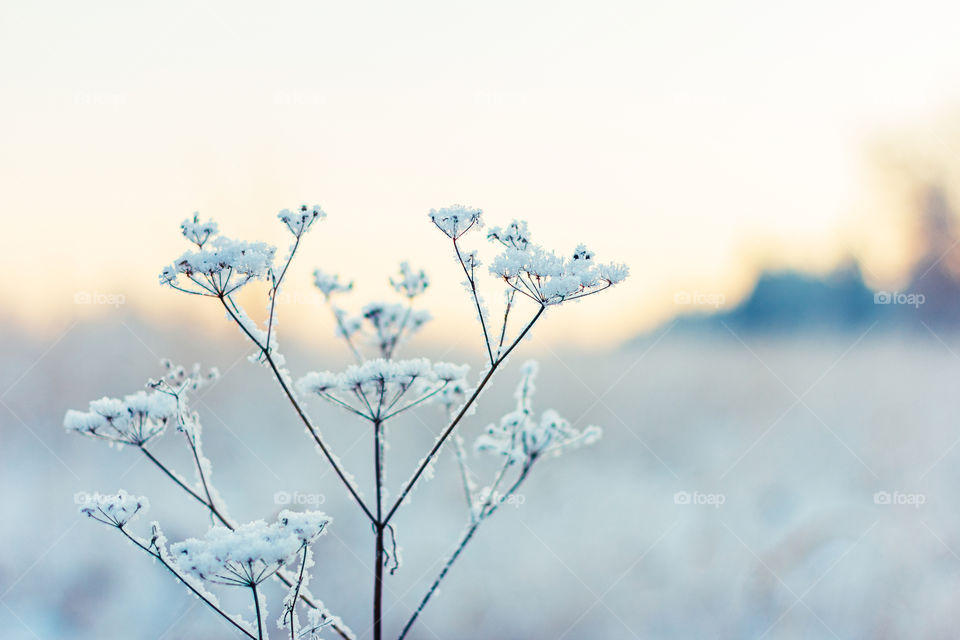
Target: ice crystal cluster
x,y
135,420
376,389
522,437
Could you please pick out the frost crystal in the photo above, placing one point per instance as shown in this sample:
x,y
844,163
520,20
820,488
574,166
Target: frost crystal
x,y
252,552
198,232
522,438
380,384
114,509
329,283
410,283
300,221
456,220
135,420
545,277
220,270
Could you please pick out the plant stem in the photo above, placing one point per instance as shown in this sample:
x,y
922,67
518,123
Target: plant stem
x,y
256,605
463,411
488,508
343,633
296,594
303,416
476,299
196,592
379,527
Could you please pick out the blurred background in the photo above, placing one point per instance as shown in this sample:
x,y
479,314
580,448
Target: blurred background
x,y
776,380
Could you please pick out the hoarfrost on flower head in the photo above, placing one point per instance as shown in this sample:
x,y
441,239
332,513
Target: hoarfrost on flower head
x,y
543,275
456,220
383,383
115,509
329,283
522,438
301,219
249,554
135,420
220,266
198,232
410,283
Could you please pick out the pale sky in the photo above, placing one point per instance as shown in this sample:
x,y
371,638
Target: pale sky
x,y
692,140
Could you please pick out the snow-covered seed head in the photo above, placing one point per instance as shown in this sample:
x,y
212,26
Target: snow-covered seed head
x,y
252,552
328,284
514,235
523,438
219,266
134,420
456,220
115,509
410,283
301,219
198,232
391,385
544,276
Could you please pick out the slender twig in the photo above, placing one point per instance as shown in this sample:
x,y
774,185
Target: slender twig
x,y
395,339
303,416
346,336
159,556
414,403
276,288
178,481
296,594
256,605
464,474
280,575
476,299
463,411
489,507
506,317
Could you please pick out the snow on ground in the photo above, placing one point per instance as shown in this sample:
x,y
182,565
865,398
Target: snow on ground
x,y
766,488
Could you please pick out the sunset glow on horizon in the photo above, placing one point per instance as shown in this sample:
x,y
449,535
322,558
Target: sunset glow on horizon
x,y
697,143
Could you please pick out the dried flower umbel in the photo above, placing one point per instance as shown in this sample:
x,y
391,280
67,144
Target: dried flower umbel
x,y
376,389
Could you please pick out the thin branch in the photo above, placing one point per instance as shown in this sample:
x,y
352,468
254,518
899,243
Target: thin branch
x,y
296,595
461,456
506,316
303,416
463,411
184,580
346,337
414,403
256,605
489,507
476,299
276,288
280,575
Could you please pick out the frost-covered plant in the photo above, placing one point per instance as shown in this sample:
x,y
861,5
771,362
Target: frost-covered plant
x,y
376,389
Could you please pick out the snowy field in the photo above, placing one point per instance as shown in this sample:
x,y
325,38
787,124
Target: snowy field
x,y
800,488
